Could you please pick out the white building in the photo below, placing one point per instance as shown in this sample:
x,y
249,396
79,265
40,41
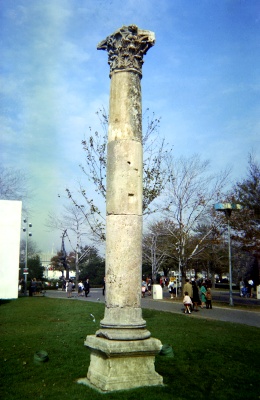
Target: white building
x,y
46,263
49,273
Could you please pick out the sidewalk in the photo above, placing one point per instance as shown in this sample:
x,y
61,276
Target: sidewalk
x,y
226,314
251,318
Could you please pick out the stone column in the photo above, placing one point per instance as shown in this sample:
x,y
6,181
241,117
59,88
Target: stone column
x,y
124,185
122,352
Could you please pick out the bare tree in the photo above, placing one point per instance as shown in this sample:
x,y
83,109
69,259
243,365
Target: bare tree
x,y
154,251
154,171
190,195
14,184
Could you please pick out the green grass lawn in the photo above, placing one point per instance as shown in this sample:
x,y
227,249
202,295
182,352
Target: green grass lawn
x,y
212,360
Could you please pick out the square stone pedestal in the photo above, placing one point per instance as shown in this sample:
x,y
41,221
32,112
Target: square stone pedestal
x,y
120,365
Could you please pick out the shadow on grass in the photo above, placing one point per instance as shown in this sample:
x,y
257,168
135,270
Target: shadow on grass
x,y
3,302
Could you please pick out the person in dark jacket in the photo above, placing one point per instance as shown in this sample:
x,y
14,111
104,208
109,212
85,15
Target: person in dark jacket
x,y
86,287
195,296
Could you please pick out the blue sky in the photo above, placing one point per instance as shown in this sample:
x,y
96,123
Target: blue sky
x,y
201,78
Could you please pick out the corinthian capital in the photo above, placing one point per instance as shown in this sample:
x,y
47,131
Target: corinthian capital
x,y
126,48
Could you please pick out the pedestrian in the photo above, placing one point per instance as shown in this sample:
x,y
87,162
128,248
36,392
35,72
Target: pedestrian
x,y
161,282
171,288
86,287
34,286
144,287
195,296
203,291
149,286
38,287
187,303
251,287
188,287
69,288
208,298
80,288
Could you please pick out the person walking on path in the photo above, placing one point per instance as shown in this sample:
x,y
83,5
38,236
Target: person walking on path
x,y
34,286
171,288
80,288
86,287
144,287
149,286
208,298
187,303
203,291
195,296
188,288
69,288
251,287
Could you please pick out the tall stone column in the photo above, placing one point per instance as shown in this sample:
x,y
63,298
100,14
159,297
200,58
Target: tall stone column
x,y
122,351
123,314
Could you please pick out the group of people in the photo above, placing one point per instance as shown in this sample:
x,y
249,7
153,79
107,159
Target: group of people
x,y
195,296
35,287
83,288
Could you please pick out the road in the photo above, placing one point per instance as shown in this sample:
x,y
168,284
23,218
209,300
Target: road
x,y
223,313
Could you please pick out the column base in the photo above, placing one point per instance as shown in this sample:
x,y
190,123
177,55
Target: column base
x,y
121,365
123,334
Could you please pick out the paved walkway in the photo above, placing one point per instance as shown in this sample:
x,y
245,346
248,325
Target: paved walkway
x,y
246,317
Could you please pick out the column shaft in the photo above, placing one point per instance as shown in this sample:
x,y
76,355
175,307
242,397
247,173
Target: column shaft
x,y
124,203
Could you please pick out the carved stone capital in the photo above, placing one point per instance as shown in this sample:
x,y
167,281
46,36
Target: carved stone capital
x,y
126,48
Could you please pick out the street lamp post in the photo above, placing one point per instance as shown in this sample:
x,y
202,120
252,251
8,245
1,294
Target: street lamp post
x,y
227,208
63,257
25,271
